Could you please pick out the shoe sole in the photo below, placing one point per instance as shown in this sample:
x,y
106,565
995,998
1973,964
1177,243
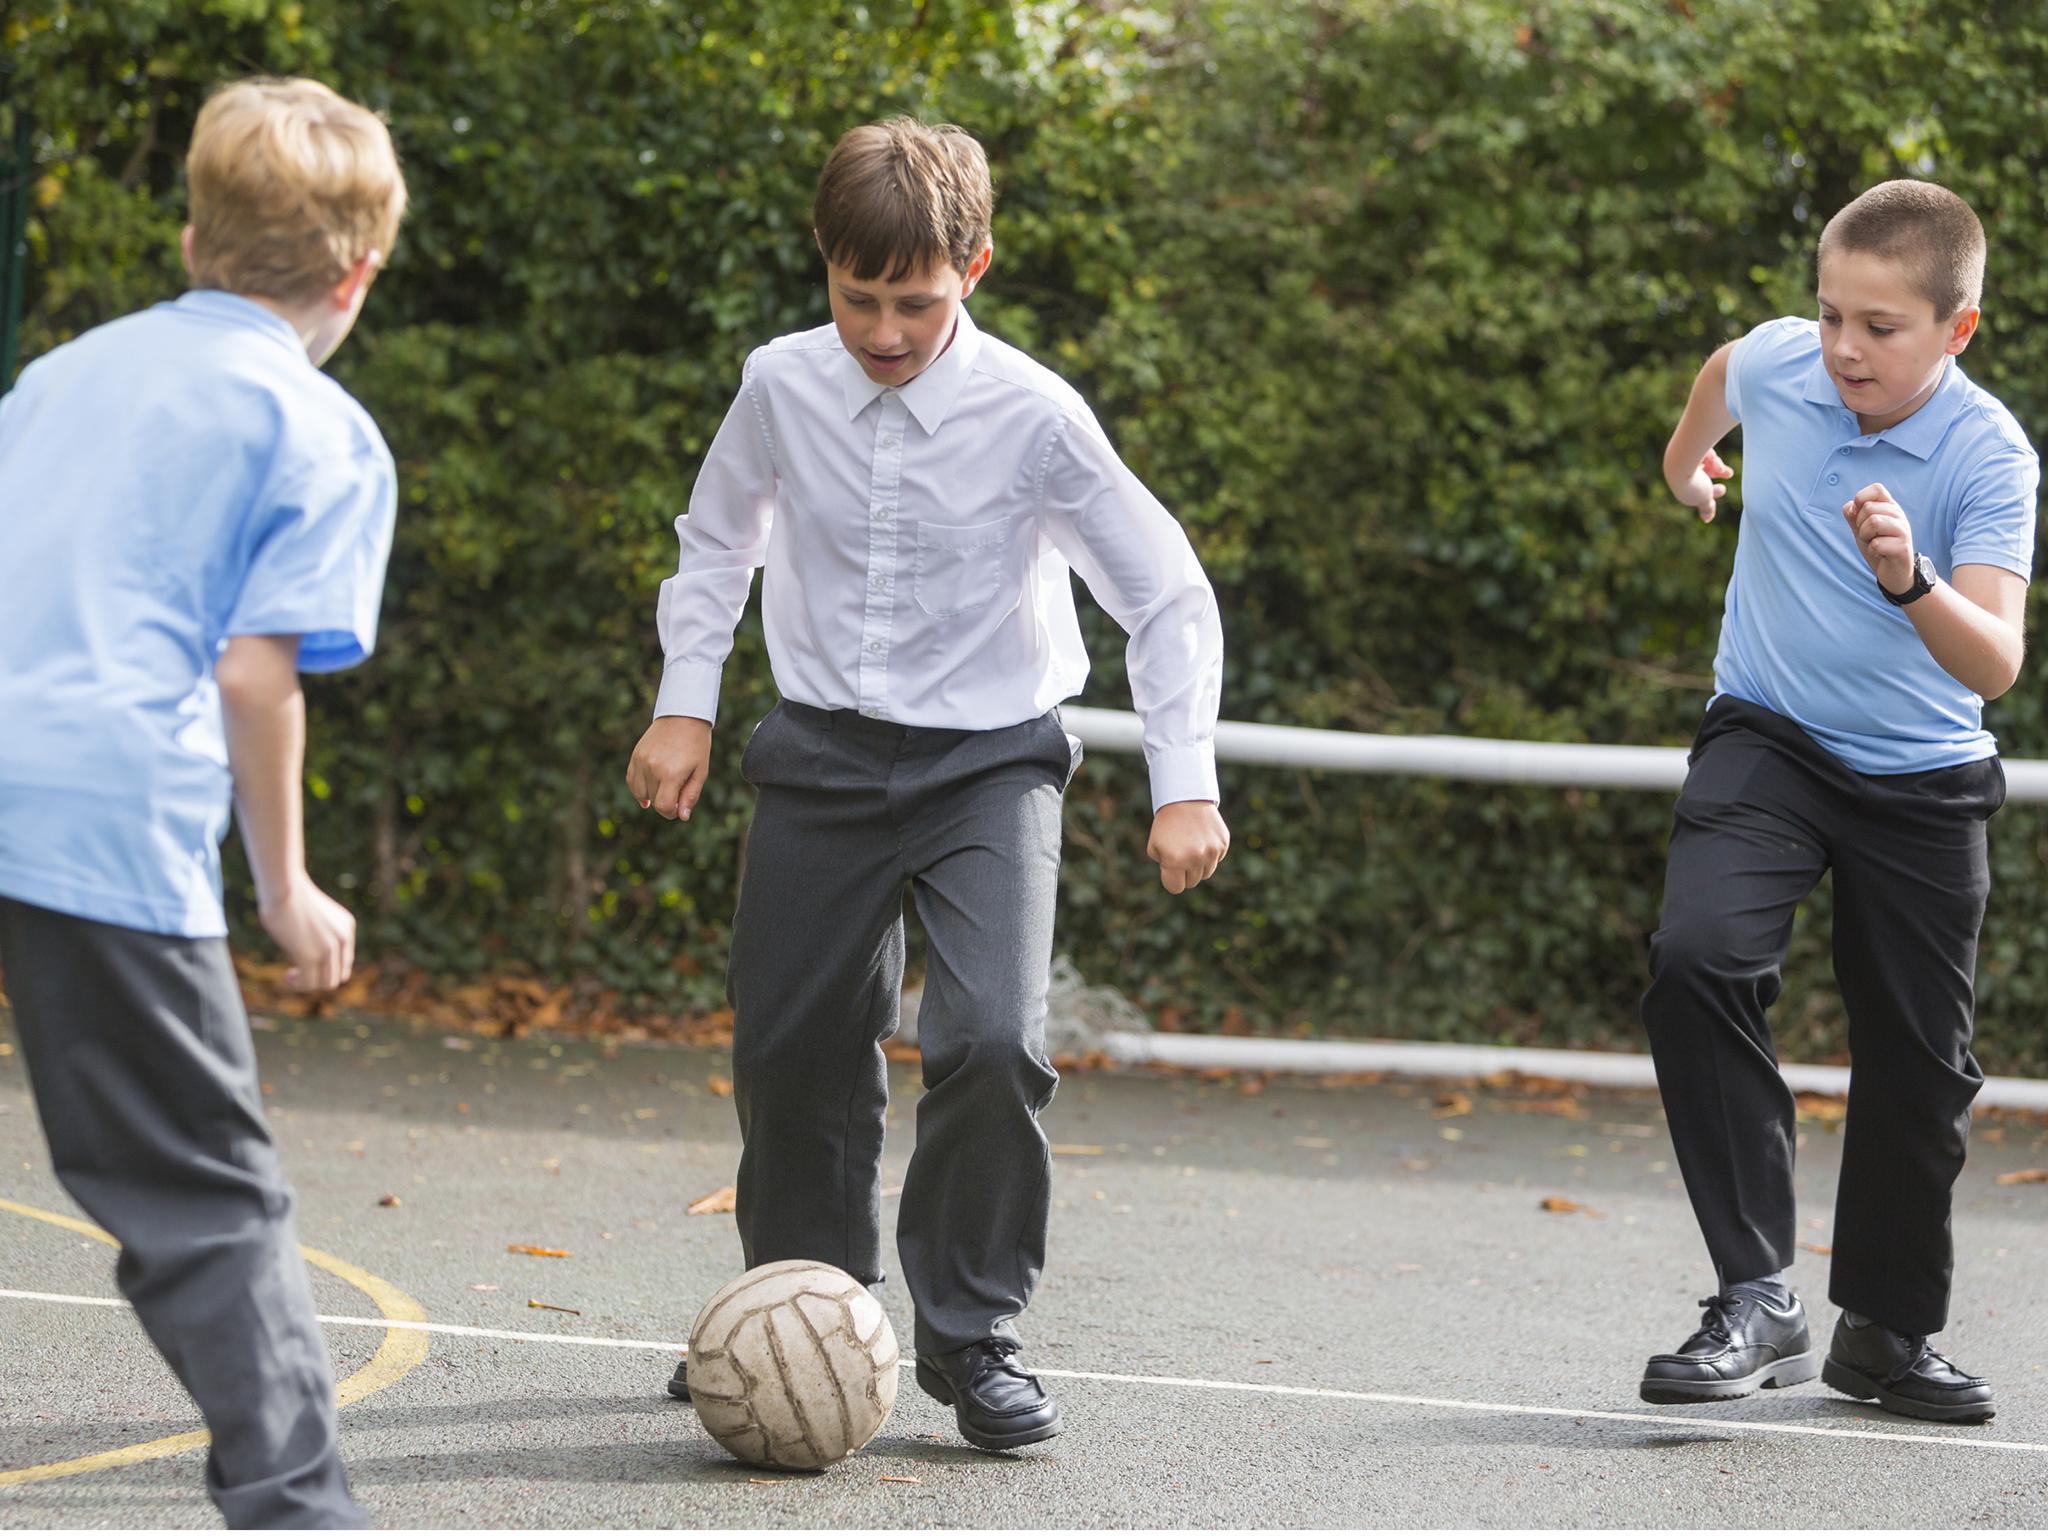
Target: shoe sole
x,y
1853,1383
1790,1371
940,1390
679,1387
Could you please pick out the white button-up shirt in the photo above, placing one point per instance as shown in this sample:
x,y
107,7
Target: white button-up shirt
x,y
917,544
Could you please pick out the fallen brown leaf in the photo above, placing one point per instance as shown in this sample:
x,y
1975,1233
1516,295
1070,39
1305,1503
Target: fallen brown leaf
x,y
1564,1107
538,1253
1563,1207
1451,1104
1074,1149
388,1201
722,1086
549,1306
2025,1176
717,1203
888,1478
1824,1107
1820,1248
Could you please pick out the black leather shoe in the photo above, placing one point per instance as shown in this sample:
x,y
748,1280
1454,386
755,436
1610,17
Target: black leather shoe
x,y
1743,1343
999,1404
1899,1372
679,1384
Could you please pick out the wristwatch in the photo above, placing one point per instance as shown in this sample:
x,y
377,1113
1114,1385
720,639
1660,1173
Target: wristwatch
x,y
1923,583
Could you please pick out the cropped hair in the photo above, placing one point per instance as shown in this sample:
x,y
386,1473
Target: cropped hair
x,y
291,186
1924,229
899,197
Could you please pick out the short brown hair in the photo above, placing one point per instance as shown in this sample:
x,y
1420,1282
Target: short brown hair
x,y
897,198
1924,229
291,185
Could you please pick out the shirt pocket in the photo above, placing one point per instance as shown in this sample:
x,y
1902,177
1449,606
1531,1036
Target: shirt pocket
x,y
958,570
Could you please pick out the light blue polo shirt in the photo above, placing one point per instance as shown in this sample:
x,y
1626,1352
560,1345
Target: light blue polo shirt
x,y
167,481
1805,631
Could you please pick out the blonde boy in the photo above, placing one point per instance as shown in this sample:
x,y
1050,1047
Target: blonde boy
x,y
918,493
1877,600
193,515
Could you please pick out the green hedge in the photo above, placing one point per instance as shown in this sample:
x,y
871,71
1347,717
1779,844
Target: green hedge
x,y
1393,303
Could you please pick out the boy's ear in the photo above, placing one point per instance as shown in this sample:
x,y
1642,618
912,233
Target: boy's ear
x,y
347,293
977,269
185,250
1961,329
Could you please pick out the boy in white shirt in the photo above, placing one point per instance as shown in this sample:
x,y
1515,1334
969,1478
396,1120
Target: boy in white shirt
x,y
918,493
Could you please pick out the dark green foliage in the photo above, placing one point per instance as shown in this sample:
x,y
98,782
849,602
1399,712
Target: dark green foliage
x,y
1393,303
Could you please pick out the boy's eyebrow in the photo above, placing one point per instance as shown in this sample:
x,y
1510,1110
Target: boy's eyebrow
x,y
1879,313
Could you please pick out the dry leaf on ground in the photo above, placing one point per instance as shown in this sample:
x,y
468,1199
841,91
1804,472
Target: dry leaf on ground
x,y
2025,1176
1820,1248
538,1253
389,1201
1824,1107
1074,1149
722,1086
888,1478
717,1203
1452,1104
1558,1205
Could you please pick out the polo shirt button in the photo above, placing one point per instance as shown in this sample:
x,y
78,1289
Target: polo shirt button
x,y
874,645
1834,479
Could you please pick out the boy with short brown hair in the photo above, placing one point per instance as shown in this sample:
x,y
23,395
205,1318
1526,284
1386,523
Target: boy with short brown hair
x,y
918,493
1877,600
193,514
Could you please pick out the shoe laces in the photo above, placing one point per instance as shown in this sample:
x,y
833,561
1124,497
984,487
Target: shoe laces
x,y
1719,1320
999,1354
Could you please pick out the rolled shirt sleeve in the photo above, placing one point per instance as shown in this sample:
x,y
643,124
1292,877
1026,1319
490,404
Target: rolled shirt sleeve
x,y
316,569
1138,564
724,537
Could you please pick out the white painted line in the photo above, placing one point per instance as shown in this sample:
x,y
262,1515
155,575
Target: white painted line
x,y
73,1301
457,1329
1961,1441
1395,1399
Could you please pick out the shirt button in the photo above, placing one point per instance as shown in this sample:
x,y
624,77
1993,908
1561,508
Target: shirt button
x,y
1834,479
888,442
872,714
874,645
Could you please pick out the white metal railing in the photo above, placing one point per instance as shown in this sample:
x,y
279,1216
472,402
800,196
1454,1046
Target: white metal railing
x,y
1583,765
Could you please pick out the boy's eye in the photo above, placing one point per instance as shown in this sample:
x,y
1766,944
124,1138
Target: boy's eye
x,y
1828,319
1882,330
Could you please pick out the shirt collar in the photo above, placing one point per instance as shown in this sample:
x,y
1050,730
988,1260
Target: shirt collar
x,y
1920,433
931,394
219,304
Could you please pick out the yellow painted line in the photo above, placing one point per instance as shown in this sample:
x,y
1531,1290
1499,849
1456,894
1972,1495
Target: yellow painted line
x,y
402,1349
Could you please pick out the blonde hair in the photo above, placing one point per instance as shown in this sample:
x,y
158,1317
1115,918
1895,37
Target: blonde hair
x,y
899,197
291,186
1924,229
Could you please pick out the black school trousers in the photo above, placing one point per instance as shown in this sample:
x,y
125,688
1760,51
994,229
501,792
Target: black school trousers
x,y
1765,812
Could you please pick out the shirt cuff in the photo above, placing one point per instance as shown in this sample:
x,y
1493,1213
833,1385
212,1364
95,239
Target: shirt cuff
x,y
689,688
1183,773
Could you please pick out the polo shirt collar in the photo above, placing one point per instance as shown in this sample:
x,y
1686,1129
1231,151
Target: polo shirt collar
x,y
1920,433
233,309
929,396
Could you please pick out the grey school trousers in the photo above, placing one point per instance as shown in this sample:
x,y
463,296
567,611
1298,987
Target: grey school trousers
x,y
850,812
145,1078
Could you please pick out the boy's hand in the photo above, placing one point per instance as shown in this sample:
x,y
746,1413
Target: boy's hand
x,y
1700,492
1884,534
1188,841
670,764
316,933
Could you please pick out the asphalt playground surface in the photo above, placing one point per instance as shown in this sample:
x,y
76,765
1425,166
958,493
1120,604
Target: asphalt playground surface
x,y
1305,1305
